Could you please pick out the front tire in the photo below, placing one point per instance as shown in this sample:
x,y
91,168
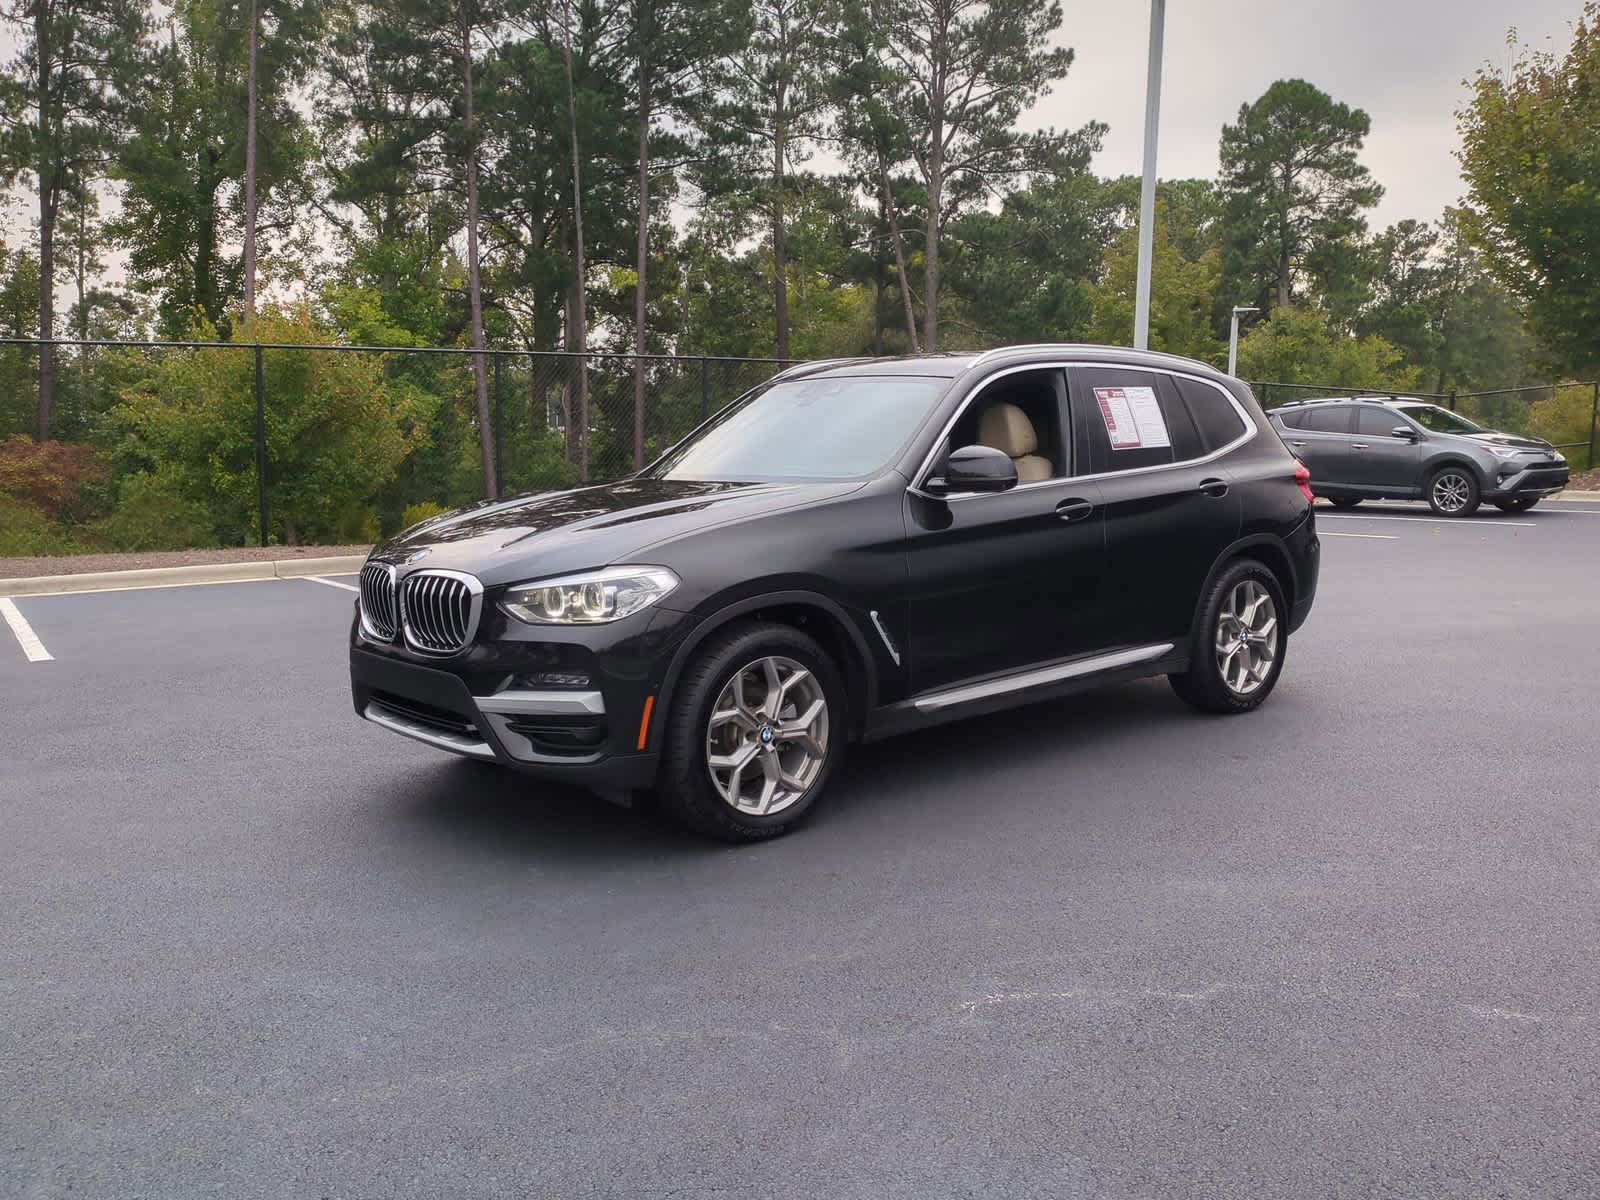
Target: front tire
x,y
1237,649
1452,492
758,723
1516,504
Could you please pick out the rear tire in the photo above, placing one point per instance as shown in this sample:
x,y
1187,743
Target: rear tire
x,y
1515,504
758,723
1228,671
1452,491
1344,501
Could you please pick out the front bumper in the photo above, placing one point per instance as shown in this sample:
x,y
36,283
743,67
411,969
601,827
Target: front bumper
x,y
496,702
1539,479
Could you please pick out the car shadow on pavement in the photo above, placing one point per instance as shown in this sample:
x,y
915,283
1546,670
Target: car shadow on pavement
x,y
514,815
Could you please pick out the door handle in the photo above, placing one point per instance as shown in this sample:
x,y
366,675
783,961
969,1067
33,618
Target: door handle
x,y
1074,510
1215,488
1359,446
1297,443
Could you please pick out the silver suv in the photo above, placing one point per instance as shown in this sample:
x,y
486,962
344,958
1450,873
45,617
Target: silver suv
x,y
1397,448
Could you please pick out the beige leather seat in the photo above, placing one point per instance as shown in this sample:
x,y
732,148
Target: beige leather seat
x,y
1006,428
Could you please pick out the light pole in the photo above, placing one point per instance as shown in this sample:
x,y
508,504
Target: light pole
x,y
1233,335
1147,185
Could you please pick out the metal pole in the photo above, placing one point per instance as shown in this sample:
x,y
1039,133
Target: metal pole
x,y
705,387
261,445
1147,185
499,428
1594,422
1233,336
1452,399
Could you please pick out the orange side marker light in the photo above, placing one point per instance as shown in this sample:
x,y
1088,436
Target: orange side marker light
x,y
644,720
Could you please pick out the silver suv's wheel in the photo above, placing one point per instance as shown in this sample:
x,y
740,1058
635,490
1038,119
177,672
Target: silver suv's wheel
x,y
1453,492
767,737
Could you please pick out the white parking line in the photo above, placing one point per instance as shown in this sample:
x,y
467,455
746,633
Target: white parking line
x,y
1456,522
349,587
32,648
1377,537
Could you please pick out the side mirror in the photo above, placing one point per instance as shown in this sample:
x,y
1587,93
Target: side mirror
x,y
976,469
1404,433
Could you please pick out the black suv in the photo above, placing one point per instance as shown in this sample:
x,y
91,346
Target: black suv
x,y
853,549
1395,448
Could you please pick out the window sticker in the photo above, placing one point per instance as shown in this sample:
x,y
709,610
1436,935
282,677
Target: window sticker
x,y
1133,418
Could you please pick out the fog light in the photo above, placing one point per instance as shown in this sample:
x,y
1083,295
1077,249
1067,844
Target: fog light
x,y
554,679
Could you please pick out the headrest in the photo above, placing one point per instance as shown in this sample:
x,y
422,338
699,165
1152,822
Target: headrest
x,y
1006,428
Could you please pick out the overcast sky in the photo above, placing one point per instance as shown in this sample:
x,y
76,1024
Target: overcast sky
x,y
1403,61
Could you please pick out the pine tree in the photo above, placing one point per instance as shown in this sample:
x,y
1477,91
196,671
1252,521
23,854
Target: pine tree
x,y
66,93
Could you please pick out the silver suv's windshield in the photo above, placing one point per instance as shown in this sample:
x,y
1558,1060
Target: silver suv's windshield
x,y
828,428
1439,420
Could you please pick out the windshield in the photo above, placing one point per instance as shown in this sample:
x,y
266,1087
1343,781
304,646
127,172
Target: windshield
x,y
830,428
1440,420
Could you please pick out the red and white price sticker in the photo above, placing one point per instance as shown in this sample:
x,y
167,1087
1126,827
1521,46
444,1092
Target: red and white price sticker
x,y
1133,418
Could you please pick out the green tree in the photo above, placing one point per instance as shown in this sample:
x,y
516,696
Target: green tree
x,y
1530,153
1300,345
337,432
63,96
771,104
673,46
182,205
872,130
19,318
1026,272
1183,291
1293,191
967,69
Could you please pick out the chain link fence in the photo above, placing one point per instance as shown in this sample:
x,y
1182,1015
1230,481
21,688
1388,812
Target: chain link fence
x,y
171,445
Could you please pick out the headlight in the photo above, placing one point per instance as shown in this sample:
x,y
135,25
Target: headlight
x,y
589,599
1558,456
1506,451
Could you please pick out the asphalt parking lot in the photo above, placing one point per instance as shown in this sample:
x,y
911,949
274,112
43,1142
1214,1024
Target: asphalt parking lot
x,y
1345,946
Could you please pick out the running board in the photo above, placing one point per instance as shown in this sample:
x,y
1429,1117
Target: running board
x,y
967,694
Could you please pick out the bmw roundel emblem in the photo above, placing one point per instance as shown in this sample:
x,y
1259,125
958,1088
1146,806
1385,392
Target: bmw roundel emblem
x,y
766,735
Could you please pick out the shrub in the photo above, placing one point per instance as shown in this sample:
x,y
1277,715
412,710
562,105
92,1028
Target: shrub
x,y
26,532
51,476
416,514
1563,418
336,430
152,514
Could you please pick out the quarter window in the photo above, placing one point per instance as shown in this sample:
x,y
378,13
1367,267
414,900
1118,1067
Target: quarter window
x,y
1217,420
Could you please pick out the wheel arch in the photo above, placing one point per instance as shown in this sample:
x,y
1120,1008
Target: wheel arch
x,y
1455,458
1266,549
811,612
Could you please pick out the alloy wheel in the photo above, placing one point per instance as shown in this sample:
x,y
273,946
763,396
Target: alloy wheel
x,y
767,738
1247,637
1451,492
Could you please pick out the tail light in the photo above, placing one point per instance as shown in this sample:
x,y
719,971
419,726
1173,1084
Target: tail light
x,y
1302,477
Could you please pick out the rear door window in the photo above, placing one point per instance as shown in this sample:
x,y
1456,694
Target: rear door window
x,y
1334,418
1124,421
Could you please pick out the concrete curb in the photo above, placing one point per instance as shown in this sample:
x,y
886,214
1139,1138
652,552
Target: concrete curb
x,y
154,577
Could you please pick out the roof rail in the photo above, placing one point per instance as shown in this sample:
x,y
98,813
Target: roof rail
x,y
987,354
815,364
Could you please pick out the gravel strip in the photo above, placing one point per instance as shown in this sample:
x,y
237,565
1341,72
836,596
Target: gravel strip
x,y
79,564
